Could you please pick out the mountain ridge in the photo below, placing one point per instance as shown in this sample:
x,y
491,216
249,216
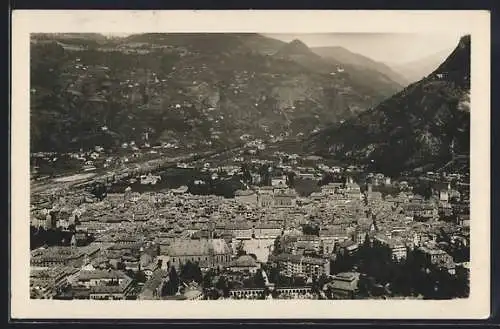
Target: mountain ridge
x,y
195,90
426,124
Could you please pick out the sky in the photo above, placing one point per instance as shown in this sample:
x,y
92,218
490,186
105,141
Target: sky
x,y
390,48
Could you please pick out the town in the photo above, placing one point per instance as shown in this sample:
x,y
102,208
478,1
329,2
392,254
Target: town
x,y
253,223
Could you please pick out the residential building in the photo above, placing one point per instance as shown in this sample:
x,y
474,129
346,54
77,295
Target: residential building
x,y
299,265
208,253
246,197
438,257
345,285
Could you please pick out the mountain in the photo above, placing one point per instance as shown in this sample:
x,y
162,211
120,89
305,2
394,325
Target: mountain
x,y
347,57
426,125
416,70
368,82
194,90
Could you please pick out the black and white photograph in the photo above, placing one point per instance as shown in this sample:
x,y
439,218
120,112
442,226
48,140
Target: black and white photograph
x,y
260,166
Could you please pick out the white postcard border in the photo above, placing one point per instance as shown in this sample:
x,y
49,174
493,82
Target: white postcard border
x,y
475,23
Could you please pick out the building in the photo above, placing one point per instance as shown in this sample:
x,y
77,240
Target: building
x,y
299,265
284,198
328,238
345,285
61,256
278,182
439,258
208,253
244,263
240,229
420,211
463,220
89,279
119,291
353,190
246,197
266,230
265,198
248,293
347,247
331,188
398,248
47,283
45,220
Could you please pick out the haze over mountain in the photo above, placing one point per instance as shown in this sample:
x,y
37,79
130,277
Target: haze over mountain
x,y
347,57
415,70
426,125
193,90
381,47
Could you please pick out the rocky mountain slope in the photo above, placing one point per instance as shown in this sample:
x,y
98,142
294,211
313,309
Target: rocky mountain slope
x,y
424,126
196,91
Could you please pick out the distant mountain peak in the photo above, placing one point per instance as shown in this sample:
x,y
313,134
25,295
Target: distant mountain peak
x,y
457,65
424,126
295,47
464,41
298,43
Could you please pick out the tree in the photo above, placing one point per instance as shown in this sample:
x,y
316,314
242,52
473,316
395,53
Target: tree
x,y
259,279
99,190
277,246
207,278
247,176
71,228
223,285
290,179
172,285
308,229
240,251
120,266
140,276
265,174
191,272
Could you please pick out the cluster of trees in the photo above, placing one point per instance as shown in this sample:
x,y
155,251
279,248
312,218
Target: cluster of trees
x,y
410,276
457,248
255,281
99,190
330,177
138,276
225,188
216,285
240,251
246,174
51,237
171,287
191,272
63,164
188,272
304,187
310,229
265,174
